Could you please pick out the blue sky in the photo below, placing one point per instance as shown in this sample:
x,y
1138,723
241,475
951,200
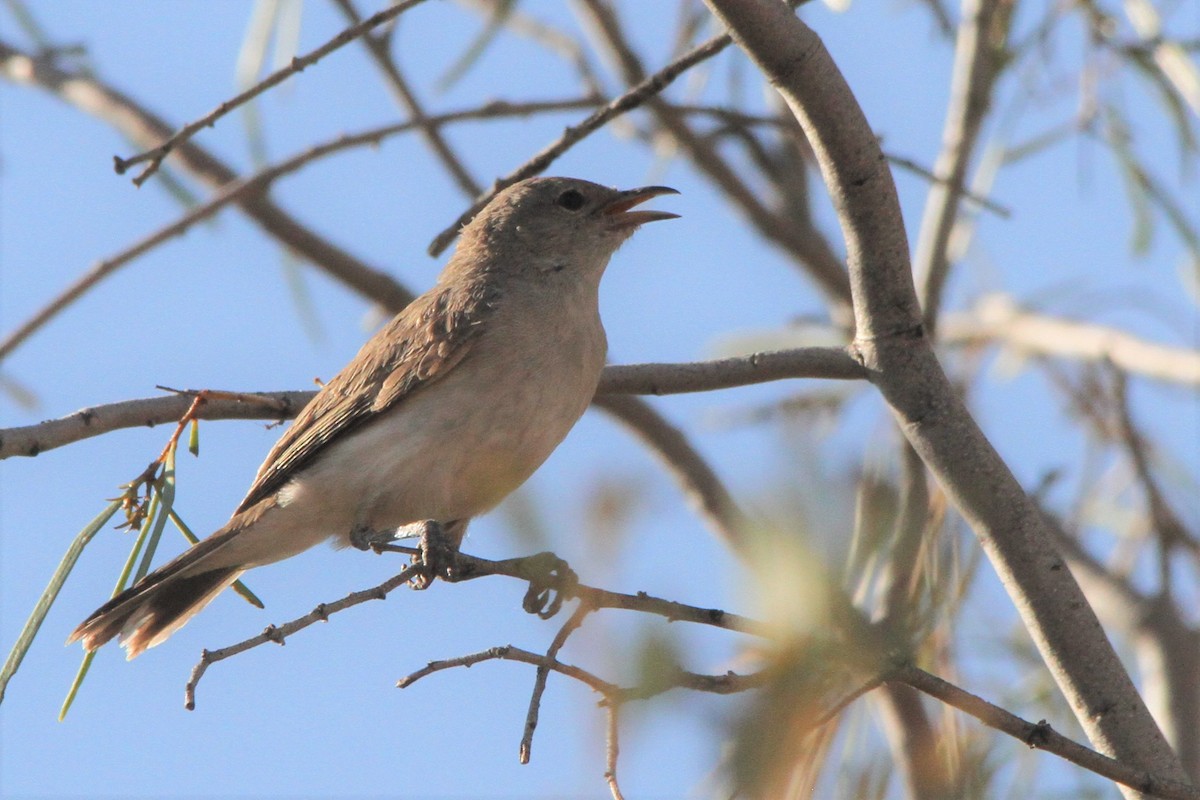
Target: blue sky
x,y
320,717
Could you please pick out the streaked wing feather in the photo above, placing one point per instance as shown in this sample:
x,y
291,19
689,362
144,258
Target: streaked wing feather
x,y
422,343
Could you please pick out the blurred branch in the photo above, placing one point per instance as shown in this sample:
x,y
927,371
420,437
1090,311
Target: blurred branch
x,y
252,189
914,738
298,64
377,46
106,103
1042,737
1164,521
978,57
708,495
796,235
998,319
891,343
577,133
506,13
1166,646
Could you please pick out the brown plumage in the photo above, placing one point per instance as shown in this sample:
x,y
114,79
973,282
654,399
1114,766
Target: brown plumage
x,y
443,412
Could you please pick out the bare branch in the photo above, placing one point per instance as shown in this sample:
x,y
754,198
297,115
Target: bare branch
x,y
577,133
977,61
378,48
383,288
612,750
279,633
1042,737
156,155
892,345
572,624
31,440
467,567
998,318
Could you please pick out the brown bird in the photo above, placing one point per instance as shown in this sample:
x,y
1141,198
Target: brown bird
x,y
443,412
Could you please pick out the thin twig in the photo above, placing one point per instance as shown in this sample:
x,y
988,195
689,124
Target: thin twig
x,y
430,132
279,633
239,191
530,568
509,653
572,624
577,133
155,155
612,749
977,64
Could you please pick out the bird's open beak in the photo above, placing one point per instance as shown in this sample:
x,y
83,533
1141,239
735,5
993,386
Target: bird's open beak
x,y
618,213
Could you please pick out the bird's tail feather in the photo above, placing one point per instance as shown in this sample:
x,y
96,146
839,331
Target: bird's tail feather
x,y
146,614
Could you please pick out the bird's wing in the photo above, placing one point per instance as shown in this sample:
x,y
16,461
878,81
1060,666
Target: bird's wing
x,y
421,344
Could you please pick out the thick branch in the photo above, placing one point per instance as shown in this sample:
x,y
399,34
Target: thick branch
x,y
902,364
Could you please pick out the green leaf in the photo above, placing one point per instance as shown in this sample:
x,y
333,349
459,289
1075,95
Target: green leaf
x,y
122,582
42,607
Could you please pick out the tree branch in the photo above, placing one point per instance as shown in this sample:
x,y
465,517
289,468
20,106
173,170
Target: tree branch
x,y
998,318
893,347
977,60
1042,737
467,567
31,440
156,155
577,133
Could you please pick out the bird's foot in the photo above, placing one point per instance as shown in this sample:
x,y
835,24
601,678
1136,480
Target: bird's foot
x,y
551,581
437,555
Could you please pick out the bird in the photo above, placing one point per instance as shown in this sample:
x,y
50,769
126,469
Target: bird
x,y
446,410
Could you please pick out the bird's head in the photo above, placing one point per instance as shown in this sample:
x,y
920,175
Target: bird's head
x,y
554,225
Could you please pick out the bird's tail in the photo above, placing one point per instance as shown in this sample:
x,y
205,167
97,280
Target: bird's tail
x,y
160,603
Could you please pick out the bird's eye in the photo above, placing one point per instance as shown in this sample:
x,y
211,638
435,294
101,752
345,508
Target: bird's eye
x,y
571,200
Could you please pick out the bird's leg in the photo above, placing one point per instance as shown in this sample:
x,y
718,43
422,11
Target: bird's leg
x,y
437,551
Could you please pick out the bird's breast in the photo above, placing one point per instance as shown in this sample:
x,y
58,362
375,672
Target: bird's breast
x,y
457,447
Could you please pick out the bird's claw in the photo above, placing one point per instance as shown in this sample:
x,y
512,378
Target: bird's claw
x,y
436,556
551,581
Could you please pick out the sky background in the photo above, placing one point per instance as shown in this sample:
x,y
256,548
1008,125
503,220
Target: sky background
x,y
320,717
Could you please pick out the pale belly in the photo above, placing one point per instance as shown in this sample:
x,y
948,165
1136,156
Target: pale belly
x,y
452,450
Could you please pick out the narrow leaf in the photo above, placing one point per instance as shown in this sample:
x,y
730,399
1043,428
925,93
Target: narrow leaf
x,y
42,607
